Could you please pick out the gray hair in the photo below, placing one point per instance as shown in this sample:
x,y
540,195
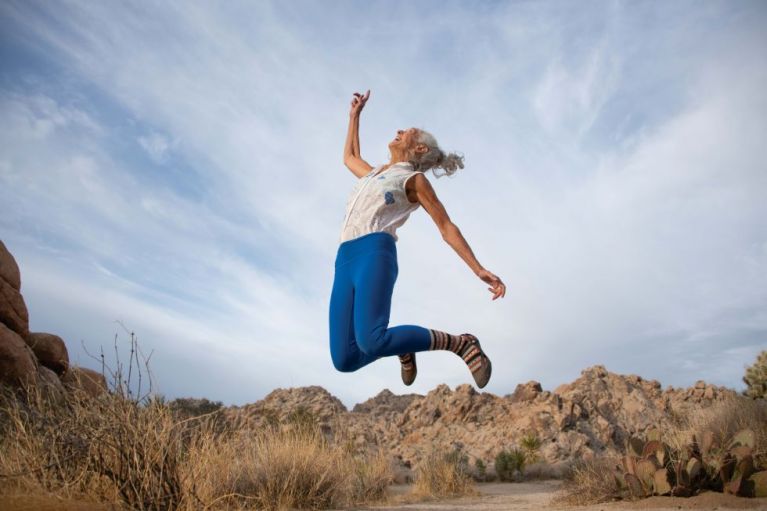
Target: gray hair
x,y
435,157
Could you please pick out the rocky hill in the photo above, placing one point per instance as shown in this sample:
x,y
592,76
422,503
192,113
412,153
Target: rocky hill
x,y
594,414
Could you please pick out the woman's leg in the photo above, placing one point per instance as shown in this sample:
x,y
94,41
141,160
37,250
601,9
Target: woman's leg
x,y
374,275
344,351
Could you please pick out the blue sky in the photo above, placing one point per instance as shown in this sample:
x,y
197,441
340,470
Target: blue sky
x,y
177,166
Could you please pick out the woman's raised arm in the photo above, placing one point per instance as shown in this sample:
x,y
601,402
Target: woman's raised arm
x,y
352,158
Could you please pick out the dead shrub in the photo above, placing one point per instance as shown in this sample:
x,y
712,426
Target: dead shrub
x,y
444,474
104,448
132,449
283,468
589,481
372,476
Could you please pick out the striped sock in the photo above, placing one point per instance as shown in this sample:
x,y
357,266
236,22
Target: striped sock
x,y
445,341
467,347
461,345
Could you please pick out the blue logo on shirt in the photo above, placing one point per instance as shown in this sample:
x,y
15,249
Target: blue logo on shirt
x,y
389,198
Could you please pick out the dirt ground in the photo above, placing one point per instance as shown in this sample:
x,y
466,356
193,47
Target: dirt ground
x,y
533,495
536,495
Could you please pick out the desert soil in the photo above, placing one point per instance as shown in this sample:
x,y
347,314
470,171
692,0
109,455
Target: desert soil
x,y
533,496
537,495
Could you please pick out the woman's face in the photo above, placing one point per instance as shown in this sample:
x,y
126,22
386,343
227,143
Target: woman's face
x,y
404,140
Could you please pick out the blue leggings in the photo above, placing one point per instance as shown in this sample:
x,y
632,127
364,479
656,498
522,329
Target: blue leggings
x,y
360,304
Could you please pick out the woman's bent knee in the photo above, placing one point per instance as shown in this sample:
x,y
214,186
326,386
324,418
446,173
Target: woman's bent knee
x,y
344,364
371,345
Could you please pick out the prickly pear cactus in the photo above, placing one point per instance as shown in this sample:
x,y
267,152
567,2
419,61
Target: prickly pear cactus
x,y
651,467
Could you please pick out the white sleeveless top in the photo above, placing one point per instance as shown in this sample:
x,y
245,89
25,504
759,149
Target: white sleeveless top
x,y
378,202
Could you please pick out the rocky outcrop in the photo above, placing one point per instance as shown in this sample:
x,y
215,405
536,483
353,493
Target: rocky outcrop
x,y
50,351
595,414
34,358
525,392
50,383
89,381
13,310
9,270
17,362
279,404
384,403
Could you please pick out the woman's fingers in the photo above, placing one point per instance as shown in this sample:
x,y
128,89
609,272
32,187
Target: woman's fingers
x,y
498,289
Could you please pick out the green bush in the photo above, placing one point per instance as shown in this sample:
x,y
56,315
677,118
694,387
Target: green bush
x,y
531,443
508,463
481,469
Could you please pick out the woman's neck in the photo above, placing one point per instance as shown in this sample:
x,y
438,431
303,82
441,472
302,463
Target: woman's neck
x,y
397,157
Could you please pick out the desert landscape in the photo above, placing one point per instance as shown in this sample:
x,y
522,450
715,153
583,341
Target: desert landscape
x,y
78,438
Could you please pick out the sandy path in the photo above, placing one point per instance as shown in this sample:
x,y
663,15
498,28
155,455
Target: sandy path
x,y
536,495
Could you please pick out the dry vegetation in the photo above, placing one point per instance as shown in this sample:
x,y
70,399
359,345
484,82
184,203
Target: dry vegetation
x,y
443,474
115,449
592,481
132,451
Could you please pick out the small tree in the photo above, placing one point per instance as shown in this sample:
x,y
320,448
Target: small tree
x,y
756,378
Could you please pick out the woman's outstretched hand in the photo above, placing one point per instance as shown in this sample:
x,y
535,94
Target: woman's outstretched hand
x,y
498,288
358,103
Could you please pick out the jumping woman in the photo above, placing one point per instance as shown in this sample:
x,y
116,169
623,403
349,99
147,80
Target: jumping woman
x,y
366,262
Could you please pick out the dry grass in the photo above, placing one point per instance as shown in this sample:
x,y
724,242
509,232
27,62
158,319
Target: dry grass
x,y
541,470
125,450
114,449
284,468
441,475
590,481
51,503
104,449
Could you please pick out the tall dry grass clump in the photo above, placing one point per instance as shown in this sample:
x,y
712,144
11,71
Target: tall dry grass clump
x,y
281,468
102,449
122,447
444,474
589,481
113,449
273,469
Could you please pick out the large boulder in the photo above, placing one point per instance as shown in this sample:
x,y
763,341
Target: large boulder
x,y
89,381
13,310
384,403
18,365
50,351
50,384
525,392
9,270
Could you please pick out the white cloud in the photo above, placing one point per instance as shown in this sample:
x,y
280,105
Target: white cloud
x,y
157,146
